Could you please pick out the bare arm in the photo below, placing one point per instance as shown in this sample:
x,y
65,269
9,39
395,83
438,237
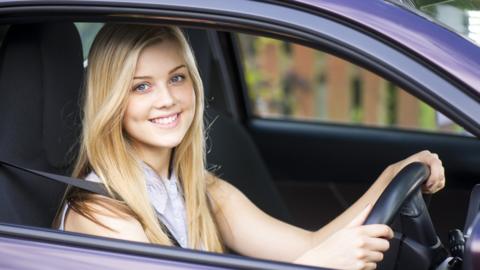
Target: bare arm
x,y
435,182
121,226
368,198
249,231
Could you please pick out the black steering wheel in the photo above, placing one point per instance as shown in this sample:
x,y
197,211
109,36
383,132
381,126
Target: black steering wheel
x,y
417,246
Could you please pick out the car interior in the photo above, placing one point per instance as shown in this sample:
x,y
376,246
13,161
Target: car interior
x,y
41,132
277,164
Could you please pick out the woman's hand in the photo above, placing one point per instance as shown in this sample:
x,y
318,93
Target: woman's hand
x,y
361,247
436,180
353,247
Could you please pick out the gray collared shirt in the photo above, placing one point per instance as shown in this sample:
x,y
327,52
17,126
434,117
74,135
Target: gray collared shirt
x,y
167,199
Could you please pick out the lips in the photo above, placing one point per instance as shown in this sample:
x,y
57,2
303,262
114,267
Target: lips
x,y
166,121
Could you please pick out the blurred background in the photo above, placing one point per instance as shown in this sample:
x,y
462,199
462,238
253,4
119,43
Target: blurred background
x,y
292,81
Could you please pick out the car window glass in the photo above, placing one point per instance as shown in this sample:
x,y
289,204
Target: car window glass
x,y
87,32
290,81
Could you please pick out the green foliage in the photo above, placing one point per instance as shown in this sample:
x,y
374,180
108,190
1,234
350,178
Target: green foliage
x,y
427,117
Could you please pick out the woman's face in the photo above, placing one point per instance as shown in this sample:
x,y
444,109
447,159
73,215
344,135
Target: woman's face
x,y
161,105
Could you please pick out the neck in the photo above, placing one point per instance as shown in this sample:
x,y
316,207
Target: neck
x,y
157,159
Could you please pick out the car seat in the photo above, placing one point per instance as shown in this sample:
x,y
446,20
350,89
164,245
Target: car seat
x,y
40,78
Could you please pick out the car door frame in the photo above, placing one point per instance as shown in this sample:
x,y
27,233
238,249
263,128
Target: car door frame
x,y
297,25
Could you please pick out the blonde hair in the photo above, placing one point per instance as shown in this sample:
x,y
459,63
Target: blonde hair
x,y
105,148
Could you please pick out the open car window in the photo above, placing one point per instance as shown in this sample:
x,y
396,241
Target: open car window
x,y
87,32
289,81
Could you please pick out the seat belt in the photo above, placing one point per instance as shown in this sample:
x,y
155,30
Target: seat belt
x,y
94,187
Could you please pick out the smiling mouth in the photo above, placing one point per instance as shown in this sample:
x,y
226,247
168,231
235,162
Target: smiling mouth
x,y
166,121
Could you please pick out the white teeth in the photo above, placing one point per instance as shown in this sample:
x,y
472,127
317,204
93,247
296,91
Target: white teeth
x,y
165,120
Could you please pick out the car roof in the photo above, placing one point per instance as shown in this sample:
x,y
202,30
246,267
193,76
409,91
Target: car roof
x,y
432,42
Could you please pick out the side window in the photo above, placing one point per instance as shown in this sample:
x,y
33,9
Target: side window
x,y
87,32
290,81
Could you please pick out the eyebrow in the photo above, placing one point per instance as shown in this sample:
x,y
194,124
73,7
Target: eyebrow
x,y
170,72
177,68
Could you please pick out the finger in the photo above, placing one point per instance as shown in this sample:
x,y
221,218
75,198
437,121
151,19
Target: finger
x,y
426,190
370,266
417,156
435,158
371,256
440,170
440,185
377,244
360,218
443,183
425,153
366,265
377,230
436,173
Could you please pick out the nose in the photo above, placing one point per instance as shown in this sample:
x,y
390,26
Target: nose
x,y
164,97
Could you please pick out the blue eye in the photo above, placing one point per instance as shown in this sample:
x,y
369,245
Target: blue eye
x,y
177,79
142,87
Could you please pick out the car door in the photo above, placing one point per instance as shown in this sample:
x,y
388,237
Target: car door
x,y
294,150
35,248
327,125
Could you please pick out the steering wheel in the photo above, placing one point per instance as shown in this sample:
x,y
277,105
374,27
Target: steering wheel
x,y
417,246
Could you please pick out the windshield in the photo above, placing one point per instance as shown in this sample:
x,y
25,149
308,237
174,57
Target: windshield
x,y
461,16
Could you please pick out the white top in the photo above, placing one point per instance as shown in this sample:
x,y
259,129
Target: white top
x,y
166,198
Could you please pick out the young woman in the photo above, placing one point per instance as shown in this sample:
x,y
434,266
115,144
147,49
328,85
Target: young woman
x,y
143,137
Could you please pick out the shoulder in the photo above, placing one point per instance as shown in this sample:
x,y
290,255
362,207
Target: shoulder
x,y
223,193
220,188
106,222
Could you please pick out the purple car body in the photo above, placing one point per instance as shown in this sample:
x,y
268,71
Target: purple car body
x,y
22,254
412,47
434,43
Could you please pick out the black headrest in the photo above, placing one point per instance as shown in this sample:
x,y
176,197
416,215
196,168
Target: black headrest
x,y
208,66
41,70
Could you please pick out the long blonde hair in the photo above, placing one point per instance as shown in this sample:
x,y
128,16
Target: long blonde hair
x,y
105,148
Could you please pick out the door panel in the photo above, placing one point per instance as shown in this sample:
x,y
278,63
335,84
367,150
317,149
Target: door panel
x,y
311,152
322,169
